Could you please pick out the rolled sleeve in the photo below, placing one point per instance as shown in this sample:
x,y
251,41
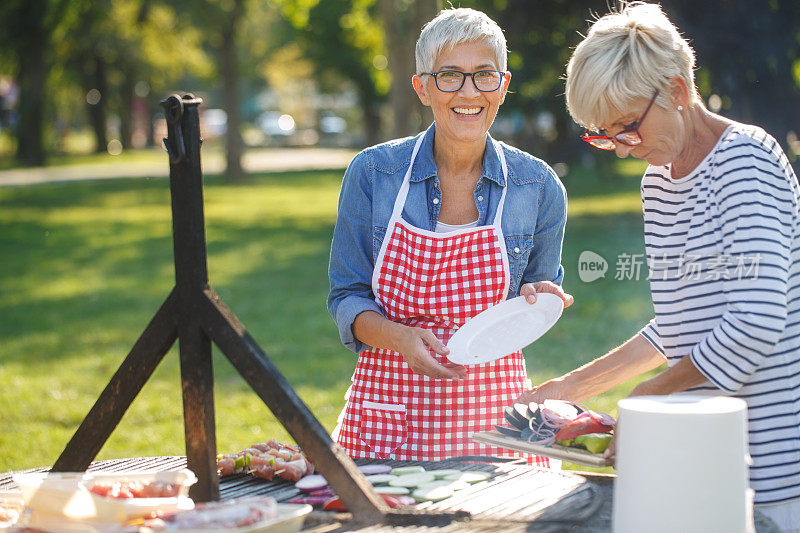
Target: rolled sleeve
x,y
650,333
544,263
346,312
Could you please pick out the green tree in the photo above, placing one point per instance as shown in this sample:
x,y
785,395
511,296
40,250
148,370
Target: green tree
x,y
346,44
118,44
749,56
402,21
541,37
26,35
221,22
66,49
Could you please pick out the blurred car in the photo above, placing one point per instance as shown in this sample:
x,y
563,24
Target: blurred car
x,y
214,122
332,125
274,123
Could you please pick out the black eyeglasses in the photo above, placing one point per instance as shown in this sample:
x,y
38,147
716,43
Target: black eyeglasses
x,y
451,81
628,136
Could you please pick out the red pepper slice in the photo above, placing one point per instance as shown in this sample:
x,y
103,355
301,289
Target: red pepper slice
x,y
586,422
334,504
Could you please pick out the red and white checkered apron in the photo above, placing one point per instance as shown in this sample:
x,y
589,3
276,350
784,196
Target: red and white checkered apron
x,y
435,281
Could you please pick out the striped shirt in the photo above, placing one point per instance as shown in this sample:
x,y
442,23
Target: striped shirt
x,y
723,248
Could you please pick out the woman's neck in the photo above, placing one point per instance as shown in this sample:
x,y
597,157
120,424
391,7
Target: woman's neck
x,y
703,131
462,161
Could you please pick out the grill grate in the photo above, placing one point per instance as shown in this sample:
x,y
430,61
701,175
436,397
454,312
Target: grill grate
x,y
516,495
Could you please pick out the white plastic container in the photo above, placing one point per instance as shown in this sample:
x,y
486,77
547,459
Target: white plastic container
x,y
67,494
682,465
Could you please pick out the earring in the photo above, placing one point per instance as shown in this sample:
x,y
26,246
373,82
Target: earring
x,y
680,108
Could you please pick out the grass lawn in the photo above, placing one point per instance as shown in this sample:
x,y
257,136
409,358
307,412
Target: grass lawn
x,y
85,266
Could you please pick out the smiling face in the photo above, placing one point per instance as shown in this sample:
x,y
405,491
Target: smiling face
x,y
661,132
464,116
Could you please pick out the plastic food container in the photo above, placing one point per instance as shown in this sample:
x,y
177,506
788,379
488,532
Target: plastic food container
x,y
67,495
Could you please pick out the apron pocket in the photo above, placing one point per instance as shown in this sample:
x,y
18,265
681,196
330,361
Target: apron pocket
x,y
382,427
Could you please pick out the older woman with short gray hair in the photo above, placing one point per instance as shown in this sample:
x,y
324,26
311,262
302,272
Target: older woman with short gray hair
x,y
722,234
432,230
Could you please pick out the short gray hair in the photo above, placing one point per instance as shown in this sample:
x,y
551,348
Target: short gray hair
x,y
456,26
628,54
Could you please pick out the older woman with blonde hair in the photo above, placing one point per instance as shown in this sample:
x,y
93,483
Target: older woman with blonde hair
x,y
432,230
722,234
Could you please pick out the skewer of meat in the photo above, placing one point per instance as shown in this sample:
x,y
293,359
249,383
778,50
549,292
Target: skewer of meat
x,y
266,460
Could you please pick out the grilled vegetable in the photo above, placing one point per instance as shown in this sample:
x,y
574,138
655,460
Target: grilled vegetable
x,y
509,431
432,493
586,422
311,483
310,500
393,501
375,469
592,442
381,479
403,470
412,480
388,489
440,474
469,477
515,418
552,420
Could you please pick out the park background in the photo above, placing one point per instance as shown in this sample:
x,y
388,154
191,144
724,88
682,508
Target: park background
x,y
85,264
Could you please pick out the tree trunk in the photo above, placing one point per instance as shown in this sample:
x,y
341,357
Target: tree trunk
x,y
126,109
397,21
32,76
371,118
96,80
424,12
234,146
403,23
152,117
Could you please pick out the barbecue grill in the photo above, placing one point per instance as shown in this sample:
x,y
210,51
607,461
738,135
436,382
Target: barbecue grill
x,y
517,497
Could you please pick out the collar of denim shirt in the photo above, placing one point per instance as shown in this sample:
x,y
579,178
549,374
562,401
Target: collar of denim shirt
x,y
425,167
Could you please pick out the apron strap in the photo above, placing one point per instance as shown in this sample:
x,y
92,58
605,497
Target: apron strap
x,y
400,201
498,217
402,194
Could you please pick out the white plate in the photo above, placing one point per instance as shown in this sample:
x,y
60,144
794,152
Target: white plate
x,y
504,328
289,519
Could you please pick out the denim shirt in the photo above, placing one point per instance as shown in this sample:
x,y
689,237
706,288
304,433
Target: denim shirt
x,y
534,217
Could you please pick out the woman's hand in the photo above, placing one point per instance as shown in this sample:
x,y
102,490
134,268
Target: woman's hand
x,y
415,345
529,291
553,389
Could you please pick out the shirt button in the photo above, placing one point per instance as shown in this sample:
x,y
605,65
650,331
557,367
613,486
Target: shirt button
x,y
480,198
516,249
435,200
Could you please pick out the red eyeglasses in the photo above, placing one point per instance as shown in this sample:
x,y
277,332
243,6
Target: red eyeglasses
x,y
628,136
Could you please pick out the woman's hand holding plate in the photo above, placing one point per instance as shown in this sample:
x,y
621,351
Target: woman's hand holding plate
x,y
529,291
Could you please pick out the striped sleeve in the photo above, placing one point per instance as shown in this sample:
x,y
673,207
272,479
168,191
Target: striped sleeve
x,y
753,203
650,333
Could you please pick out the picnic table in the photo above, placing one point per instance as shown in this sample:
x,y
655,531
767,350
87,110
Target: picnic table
x,y
517,497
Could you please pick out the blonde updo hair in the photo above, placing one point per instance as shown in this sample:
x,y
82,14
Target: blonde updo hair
x,y
627,55
455,26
